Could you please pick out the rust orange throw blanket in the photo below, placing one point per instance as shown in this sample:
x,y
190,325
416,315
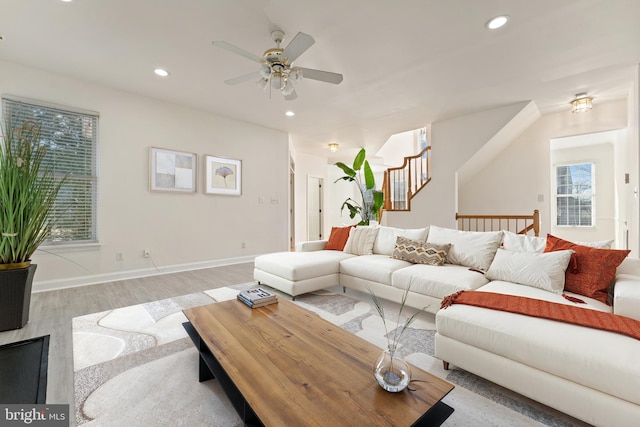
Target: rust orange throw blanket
x,y
547,310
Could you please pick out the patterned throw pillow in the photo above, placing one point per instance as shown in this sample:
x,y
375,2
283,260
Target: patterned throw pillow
x,y
594,268
420,252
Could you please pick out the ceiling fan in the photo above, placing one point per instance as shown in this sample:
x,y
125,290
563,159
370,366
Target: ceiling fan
x,y
276,70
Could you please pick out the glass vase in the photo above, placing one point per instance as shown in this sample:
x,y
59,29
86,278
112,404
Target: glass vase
x,y
392,372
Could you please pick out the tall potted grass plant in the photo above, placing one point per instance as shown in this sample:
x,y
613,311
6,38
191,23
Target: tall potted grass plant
x,y
28,190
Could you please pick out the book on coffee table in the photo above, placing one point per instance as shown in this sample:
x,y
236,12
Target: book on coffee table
x,y
258,304
257,297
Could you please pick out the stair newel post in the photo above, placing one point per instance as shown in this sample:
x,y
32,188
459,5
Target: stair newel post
x,y
536,222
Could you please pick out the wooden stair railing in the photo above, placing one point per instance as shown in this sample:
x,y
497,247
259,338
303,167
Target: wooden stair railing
x,y
520,224
401,184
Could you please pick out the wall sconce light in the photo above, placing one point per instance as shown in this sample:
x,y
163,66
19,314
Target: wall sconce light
x,y
581,103
333,147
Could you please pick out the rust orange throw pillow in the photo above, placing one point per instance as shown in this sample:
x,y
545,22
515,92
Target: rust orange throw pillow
x,y
338,238
592,269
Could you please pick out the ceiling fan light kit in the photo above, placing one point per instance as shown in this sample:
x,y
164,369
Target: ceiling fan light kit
x,y
276,70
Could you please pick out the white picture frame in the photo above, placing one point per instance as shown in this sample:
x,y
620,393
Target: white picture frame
x,y
222,176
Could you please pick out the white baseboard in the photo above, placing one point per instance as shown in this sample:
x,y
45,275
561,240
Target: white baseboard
x,y
73,282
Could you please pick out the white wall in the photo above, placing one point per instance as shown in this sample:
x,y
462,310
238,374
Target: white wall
x,y
510,183
454,141
606,212
399,146
513,182
631,202
517,177
181,230
306,166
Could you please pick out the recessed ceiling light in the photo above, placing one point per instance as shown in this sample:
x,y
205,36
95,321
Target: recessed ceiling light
x,y
290,114
497,22
67,1
161,72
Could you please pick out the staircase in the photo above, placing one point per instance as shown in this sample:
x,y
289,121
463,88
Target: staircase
x,y
401,184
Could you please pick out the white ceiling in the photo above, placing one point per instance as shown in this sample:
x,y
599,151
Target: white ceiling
x,y
405,63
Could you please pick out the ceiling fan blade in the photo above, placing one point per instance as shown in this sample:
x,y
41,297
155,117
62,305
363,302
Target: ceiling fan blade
x,y
291,96
323,76
300,43
241,79
237,50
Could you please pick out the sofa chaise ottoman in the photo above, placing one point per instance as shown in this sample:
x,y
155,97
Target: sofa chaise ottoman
x,y
305,270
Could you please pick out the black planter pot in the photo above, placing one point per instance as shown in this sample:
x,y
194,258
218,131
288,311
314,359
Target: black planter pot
x,y
15,297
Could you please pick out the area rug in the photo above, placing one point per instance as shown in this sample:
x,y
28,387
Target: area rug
x,y
23,371
136,366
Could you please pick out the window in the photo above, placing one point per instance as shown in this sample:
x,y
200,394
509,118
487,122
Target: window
x,y
71,138
575,198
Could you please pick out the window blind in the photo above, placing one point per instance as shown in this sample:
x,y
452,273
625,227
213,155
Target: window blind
x,y
70,137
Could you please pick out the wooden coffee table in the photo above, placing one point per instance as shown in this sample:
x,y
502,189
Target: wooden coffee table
x,y
282,365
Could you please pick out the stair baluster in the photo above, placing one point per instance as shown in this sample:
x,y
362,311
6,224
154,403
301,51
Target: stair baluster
x,y
402,183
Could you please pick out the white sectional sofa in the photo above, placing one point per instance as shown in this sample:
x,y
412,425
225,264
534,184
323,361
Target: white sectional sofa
x,y
591,374
311,268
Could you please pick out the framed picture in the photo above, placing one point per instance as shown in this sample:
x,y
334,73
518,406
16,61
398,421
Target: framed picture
x,y
222,176
174,171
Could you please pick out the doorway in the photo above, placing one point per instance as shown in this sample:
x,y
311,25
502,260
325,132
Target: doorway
x,y
589,199
314,208
292,204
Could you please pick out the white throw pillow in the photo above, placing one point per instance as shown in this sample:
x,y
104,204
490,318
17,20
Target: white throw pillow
x,y
474,249
385,241
539,270
523,243
361,240
602,244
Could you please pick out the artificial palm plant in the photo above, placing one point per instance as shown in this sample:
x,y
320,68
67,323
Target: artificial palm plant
x,y
372,199
28,190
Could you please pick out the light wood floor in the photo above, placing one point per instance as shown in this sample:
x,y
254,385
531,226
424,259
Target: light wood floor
x,y
52,311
